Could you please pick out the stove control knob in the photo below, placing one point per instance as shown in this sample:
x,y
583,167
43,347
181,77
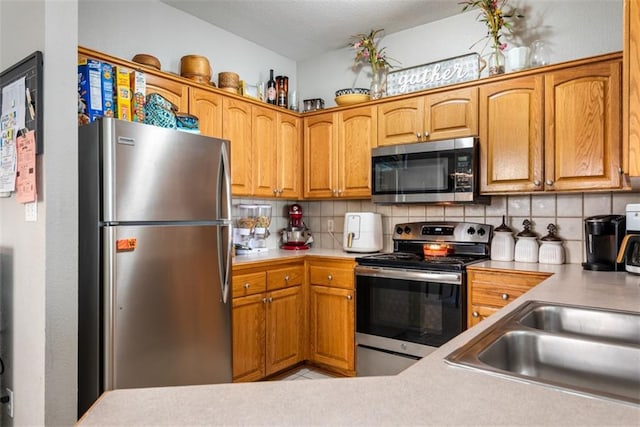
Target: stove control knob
x,y
471,231
481,232
399,230
407,229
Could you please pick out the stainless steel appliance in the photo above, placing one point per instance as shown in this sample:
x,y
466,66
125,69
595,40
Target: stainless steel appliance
x,y
603,237
629,252
413,300
437,171
154,265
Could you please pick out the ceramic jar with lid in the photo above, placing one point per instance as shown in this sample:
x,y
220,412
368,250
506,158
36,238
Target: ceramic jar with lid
x,y
527,244
551,250
503,243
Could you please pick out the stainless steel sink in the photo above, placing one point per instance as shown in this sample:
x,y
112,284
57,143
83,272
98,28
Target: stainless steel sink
x,y
585,350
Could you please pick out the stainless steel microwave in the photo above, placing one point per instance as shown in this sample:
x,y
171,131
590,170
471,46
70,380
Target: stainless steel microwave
x,y
429,172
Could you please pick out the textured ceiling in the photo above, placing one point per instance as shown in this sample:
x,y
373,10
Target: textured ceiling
x,y
299,29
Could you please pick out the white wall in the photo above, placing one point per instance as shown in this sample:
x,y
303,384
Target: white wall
x,y
125,29
572,29
38,259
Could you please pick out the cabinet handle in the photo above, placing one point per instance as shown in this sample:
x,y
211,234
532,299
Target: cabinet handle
x,y
330,277
340,192
264,300
536,182
419,135
425,135
549,182
286,278
280,190
247,285
270,299
504,296
475,314
349,297
275,191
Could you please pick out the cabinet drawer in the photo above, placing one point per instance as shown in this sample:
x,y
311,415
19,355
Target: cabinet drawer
x,y
285,277
248,284
499,289
331,276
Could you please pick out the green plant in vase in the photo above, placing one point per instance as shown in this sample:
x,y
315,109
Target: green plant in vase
x,y
368,52
497,19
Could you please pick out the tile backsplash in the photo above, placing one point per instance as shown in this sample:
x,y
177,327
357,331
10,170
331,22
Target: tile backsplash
x,y
567,211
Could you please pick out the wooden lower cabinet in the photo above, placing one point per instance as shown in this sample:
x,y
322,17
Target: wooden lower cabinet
x,y
488,290
268,325
332,315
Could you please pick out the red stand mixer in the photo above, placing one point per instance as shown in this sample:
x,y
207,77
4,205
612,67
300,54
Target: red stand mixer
x,y
296,236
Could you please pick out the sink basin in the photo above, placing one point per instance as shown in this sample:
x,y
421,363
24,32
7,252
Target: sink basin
x,y
584,350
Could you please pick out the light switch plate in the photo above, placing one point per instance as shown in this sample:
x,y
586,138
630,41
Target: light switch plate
x,y
31,212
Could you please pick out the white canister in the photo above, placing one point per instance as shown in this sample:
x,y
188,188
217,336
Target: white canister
x,y
527,244
551,250
502,243
518,58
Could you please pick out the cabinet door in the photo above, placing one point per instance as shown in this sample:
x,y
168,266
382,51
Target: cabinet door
x,y
236,127
284,329
451,114
583,133
264,126
319,156
332,340
248,320
400,122
357,134
478,313
631,89
511,153
178,93
289,164
207,106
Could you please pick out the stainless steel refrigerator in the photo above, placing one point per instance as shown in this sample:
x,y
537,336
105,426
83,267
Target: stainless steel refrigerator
x,y
154,258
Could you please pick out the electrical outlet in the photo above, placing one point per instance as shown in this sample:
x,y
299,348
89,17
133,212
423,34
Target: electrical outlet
x,y
330,225
10,403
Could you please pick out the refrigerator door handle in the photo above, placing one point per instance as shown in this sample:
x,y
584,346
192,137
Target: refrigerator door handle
x,y
225,183
108,296
225,261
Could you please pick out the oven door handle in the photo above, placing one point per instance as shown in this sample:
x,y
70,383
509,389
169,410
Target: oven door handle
x,y
453,278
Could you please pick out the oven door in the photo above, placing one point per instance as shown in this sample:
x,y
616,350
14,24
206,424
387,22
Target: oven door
x,y
409,312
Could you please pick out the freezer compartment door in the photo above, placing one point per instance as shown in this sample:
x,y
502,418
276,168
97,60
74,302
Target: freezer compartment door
x,y
157,174
165,320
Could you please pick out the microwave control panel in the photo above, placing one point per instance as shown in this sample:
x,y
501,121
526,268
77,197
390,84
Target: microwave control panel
x,y
463,174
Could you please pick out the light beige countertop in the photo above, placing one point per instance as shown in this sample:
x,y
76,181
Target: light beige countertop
x,y
283,254
430,392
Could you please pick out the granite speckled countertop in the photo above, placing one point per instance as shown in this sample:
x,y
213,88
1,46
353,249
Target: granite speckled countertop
x,y
430,392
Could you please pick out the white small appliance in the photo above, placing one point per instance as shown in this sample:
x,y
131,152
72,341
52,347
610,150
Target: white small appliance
x,y
362,232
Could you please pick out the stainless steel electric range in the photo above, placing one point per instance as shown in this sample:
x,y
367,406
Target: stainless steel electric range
x,y
413,300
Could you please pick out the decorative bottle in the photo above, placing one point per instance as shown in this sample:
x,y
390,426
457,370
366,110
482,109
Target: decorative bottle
x,y
272,94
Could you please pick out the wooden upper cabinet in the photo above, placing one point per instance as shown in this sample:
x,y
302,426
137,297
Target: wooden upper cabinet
x,y
176,92
236,127
399,122
583,133
631,88
511,145
319,154
357,135
451,114
207,106
264,152
289,159
443,115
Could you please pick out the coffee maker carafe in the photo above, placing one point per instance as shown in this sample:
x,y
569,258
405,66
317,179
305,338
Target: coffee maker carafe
x,y
603,237
629,253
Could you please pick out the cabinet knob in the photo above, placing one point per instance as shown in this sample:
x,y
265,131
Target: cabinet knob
x,y
280,190
247,285
425,134
275,191
549,182
264,300
270,299
333,191
504,296
419,135
329,277
536,182
349,297
475,314
340,192
286,278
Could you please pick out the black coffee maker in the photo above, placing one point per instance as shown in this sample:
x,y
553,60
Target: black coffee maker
x,y
603,236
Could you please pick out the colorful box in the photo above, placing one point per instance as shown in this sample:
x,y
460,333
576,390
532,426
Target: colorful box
x,y
90,104
108,109
122,93
139,91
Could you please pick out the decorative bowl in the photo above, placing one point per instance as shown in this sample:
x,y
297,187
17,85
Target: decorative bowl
x,y
352,90
148,60
351,99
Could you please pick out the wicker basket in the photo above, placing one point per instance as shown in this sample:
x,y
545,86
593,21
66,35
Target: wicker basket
x,y
228,79
195,65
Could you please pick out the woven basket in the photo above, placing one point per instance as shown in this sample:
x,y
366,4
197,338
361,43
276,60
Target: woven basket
x,y
195,65
228,79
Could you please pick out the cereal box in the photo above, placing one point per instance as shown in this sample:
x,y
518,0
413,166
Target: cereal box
x,y
138,90
90,105
107,91
122,93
